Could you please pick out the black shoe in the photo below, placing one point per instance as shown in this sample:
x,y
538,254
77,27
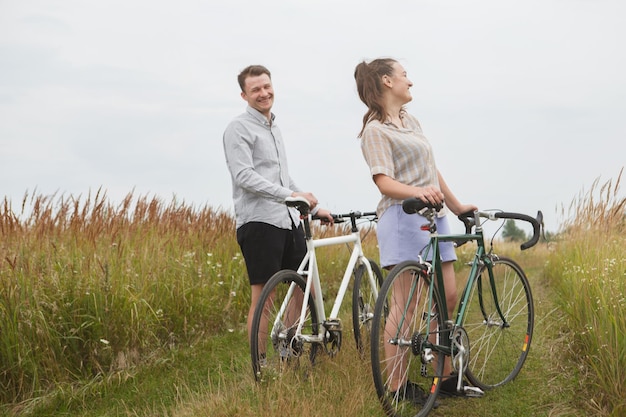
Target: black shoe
x,y
412,392
448,389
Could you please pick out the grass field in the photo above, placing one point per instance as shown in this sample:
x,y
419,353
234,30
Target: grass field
x,y
139,310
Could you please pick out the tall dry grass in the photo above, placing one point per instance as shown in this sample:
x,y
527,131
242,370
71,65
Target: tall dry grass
x,y
88,288
588,271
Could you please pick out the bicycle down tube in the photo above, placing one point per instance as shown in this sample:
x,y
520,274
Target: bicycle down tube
x,y
290,314
311,260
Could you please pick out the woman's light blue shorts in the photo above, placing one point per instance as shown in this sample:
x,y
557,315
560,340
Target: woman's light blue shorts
x,y
401,239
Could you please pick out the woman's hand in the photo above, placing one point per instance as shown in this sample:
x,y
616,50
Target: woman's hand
x,y
463,208
429,194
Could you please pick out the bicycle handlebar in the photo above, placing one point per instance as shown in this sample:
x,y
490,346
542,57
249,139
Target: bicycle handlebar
x,y
340,218
415,205
469,221
536,222
303,207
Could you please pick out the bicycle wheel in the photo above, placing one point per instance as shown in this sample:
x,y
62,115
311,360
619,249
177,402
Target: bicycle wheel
x,y
274,346
498,348
363,303
404,367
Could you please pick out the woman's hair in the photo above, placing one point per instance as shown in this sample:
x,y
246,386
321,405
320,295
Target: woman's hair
x,y
368,78
251,71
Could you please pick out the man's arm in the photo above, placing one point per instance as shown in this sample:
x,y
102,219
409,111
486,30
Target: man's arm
x,y
238,150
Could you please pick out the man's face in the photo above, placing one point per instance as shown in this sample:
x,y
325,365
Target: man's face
x,y
259,94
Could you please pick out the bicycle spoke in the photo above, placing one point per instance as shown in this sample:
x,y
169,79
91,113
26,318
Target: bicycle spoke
x,y
498,350
406,322
275,344
363,302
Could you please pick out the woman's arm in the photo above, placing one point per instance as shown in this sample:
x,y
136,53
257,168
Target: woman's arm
x,y
451,201
399,191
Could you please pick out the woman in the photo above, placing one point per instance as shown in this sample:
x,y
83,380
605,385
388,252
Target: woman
x,y
402,165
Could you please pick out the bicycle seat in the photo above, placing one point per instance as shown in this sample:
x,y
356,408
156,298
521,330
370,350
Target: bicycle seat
x,y
300,203
415,205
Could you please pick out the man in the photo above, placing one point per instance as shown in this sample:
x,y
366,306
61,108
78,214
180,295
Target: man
x,y
269,234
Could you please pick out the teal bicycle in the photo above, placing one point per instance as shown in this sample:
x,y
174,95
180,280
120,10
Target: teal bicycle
x,y
413,338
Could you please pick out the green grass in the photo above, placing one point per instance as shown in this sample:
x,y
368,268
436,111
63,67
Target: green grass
x,y
588,272
139,310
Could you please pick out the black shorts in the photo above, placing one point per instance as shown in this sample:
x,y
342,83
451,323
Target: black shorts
x,y
267,249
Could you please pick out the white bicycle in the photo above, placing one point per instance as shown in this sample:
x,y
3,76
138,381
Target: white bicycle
x,y
286,332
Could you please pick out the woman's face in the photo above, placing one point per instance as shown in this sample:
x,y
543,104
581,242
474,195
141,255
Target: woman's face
x,y
400,84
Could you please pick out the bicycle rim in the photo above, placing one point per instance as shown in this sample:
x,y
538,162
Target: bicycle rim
x,y
405,370
498,351
363,303
274,347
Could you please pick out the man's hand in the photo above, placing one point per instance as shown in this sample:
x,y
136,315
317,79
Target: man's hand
x,y
325,217
309,197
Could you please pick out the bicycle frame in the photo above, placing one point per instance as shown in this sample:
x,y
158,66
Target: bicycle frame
x,y
480,258
313,279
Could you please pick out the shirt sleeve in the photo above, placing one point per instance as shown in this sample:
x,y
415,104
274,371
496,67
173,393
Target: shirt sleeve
x,y
238,147
293,186
377,151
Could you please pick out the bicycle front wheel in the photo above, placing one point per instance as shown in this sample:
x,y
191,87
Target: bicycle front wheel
x,y
499,320
275,345
407,324
363,302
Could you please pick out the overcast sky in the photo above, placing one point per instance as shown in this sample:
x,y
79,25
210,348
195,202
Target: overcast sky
x,y
523,101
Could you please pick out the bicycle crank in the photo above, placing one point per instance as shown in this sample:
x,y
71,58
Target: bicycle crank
x,y
332,336
460,350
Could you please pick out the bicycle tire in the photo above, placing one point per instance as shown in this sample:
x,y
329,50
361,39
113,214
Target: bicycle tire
x,y
363,303
497,352
273,348
397,350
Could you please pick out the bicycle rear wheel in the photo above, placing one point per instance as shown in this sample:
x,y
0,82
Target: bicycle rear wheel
x,y
274,346
406,322
498,348
363,303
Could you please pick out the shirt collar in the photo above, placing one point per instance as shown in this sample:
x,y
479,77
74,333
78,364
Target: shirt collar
x,y
260,116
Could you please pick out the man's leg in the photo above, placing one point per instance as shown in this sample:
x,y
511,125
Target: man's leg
x,y
256,292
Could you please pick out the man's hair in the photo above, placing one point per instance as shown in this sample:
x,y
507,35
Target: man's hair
x,y
251,71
